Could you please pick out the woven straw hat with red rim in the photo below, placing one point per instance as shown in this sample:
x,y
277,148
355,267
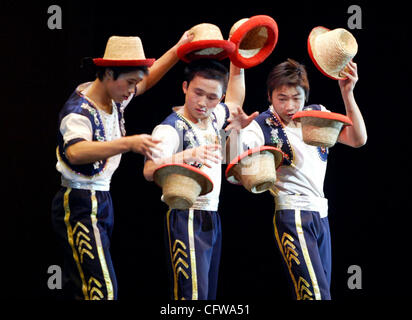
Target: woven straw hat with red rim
x,y
254,38
187,170
207,43
123,52
278,154
331,50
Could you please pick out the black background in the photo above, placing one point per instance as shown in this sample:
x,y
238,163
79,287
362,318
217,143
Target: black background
x,y
369,206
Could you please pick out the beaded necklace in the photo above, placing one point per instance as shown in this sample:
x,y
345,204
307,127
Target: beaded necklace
x,y
275,120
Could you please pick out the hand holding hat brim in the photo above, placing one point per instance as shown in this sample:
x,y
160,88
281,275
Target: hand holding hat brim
x,y
255,169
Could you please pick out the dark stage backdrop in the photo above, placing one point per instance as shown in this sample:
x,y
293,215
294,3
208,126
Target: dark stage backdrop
x,y
366,187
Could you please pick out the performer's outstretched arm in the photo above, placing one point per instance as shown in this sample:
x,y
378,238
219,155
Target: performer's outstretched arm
x,y
355,135
84,152
235,96
162,65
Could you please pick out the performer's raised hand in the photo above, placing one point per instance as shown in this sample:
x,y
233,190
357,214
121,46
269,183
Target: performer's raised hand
x,y
239,119
347,85
186,38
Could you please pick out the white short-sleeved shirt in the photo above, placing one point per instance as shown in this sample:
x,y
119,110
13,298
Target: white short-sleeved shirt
x,y
75,126
169,145
306,174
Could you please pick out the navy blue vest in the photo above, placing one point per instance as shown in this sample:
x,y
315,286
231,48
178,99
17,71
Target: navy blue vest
x,y
80,105
187,135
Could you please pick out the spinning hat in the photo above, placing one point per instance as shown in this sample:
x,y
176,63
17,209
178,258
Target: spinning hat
x,y
207,43
255,39
321,128
182,184
331,50
123,51
255,169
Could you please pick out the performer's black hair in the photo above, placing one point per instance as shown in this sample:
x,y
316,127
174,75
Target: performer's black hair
x,y
290,73
209,69
87,63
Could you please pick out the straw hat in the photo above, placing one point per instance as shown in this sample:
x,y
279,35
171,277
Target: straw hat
x,y
255,169
321,128
331,51
207,43
123,51
255,39
182,184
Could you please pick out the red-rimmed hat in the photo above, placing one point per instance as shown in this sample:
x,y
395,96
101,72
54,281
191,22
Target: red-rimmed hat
x,y
207,43
321,128
123,52
182,184
255,38
323,115
263,174
331,50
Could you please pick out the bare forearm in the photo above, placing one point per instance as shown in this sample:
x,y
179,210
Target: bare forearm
x,y
90,151
159,68
356,134
235,94
151,165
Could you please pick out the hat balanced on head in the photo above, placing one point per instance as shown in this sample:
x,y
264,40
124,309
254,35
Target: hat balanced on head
x,y
123,52
255,38
331,50
207,43
255,169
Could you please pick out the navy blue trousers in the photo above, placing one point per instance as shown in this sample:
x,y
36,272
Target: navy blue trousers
x,y
303,238
83,222
193,240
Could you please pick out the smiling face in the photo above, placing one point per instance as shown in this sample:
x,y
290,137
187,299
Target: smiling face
x,y
121,88
201,97
287,100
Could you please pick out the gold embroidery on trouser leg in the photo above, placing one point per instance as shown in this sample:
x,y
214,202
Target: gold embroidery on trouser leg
x,y
192,255
82,241
288,249
93,286
305,251
288,262
304,292
71,242
179,259
100,251
171,255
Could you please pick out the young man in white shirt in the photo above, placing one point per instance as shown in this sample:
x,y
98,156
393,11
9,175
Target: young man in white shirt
x,y
91,139
193,134
300,220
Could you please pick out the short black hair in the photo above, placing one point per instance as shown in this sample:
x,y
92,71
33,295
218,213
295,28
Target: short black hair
x,y
117,71
290,73
88,64
208,69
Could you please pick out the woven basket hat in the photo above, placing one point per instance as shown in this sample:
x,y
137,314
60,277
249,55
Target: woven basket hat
x,y
207,43
182,184
255,38
123,52
255,169
321,128
331,50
